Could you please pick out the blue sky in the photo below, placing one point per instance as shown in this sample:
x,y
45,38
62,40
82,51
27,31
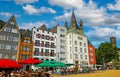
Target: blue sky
x,y
101,18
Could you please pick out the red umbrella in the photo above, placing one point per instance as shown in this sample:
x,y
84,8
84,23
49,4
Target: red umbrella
x,y
30,61
8,63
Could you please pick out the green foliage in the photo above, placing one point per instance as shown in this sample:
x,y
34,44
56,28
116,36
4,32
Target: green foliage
x,y
106,53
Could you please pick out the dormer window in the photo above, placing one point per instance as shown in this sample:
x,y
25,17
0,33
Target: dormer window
x,y
12,23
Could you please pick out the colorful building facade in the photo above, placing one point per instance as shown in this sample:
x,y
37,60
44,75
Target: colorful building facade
x,y
25,49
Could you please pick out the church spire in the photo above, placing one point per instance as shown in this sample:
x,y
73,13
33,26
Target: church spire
x,y
73,24
81,25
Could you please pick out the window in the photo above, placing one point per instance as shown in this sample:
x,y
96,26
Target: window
x,y
62,52
91,50
70,56
85,50
85,57
36,52
76,50
62,47
47,44
7,46
14,30
52,45
12,23
15,39
75,42
38,35
62,41
80,43
47,37
37,42
26,41
42,43
81,57
42,52
84,44
52,53
80,50
91,54
62,30
92,60
43,36
2,37
14,47
76,56
25,48
0,56
46,52
61,35
52,38
62,59
9,38
80,38
7,29
1,46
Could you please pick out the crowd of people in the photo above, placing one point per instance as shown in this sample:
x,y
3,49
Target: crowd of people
x,y
44,72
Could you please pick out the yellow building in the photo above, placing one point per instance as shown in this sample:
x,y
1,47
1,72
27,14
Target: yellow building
x,y
25,45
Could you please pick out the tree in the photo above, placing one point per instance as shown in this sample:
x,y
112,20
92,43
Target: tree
x,y
106,53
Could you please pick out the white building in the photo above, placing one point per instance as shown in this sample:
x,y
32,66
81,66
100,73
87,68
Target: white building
x,y
77,44
61,43
44,43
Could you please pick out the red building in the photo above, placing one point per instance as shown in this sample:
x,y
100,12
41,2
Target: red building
x,y
91,53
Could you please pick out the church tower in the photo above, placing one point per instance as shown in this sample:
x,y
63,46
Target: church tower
x,y
73,24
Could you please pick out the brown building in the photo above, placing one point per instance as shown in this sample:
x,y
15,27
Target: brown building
x,y
25,45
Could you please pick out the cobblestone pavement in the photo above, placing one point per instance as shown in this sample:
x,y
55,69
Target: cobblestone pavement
x,y
106,73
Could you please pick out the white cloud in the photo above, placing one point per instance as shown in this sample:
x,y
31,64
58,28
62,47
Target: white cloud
x,y
88,12
82,10
7,14
66,16
25,1
67,4
31,25
115,6
99,34
32,10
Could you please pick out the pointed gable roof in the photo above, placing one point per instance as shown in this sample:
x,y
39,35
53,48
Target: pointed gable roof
x,y
12,18
73,24
43,27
